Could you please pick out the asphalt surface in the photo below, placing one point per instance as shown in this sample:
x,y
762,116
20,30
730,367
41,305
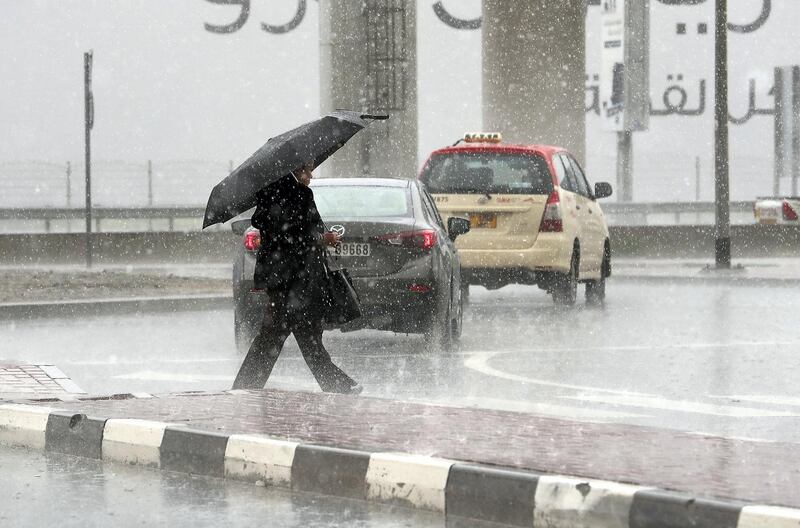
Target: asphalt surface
x,y
59,490
713,359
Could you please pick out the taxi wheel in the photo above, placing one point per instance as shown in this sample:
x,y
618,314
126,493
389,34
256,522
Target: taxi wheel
x,y
596,290
565,290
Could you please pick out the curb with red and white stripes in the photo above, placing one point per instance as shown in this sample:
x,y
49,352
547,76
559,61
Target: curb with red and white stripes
x,y
456,489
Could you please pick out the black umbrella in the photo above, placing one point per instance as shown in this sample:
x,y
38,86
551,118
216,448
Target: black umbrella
x,y
314,141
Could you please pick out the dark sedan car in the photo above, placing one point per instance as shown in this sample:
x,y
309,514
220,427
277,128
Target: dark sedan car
x,y
403,261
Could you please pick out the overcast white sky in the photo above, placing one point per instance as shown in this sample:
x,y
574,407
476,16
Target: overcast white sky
x,y
166,88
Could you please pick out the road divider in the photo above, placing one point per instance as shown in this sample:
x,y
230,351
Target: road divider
x,y
91,307
457,489
667,241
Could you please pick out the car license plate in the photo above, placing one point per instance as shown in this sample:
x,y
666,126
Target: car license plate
x,y
351,249
483,220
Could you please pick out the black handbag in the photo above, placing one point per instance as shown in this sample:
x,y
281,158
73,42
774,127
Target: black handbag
x,y
341,299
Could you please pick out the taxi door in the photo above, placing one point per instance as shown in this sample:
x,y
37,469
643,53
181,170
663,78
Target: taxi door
x,y
592,219
575,209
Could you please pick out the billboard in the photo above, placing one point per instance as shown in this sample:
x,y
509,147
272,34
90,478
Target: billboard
x,y
625,65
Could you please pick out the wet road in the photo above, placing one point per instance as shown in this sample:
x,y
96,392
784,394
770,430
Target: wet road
x,y
59,490
705,358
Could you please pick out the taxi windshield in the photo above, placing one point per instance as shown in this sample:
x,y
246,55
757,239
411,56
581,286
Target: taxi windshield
x,y
487,172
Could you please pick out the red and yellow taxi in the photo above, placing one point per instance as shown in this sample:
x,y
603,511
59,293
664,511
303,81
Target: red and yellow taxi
x,y
534,217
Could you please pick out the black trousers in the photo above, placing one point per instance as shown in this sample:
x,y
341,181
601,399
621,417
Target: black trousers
x,y
267,346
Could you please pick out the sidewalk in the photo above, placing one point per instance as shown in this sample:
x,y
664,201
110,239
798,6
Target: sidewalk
x,y
638,475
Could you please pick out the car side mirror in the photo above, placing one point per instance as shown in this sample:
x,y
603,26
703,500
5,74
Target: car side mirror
x,y
457,226
240,226
602,190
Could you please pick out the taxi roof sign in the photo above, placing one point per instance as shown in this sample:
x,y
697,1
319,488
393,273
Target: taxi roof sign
x,y
483,137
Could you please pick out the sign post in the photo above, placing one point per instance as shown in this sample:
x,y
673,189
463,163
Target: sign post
x,y
625,80
722,231
787,127
88,100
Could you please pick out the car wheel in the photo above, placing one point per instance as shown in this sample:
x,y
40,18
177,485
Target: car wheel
x,y
458,322
447,339
596,290
440,333
565,287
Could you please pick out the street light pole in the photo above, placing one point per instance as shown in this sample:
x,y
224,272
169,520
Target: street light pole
x,y
625,165
722,232
88,123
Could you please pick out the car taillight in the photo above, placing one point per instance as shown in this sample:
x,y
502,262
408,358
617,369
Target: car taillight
x,y
551,219
252,240
788,212
422,239
419,288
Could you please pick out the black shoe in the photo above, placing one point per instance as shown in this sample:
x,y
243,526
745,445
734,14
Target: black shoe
x,y
355,390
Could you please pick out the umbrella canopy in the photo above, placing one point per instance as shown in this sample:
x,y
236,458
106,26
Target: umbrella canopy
x,y
314,141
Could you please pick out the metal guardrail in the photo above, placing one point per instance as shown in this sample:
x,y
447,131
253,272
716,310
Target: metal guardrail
x,y
48,215
57,213
623,214
673,213
617,208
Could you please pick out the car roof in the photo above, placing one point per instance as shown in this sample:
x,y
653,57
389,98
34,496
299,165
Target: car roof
x,y
374,182
508,148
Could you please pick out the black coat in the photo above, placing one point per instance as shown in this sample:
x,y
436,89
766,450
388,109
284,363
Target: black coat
x,y
291,256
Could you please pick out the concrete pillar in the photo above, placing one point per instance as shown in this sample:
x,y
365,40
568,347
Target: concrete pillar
x,y
353,62
534,60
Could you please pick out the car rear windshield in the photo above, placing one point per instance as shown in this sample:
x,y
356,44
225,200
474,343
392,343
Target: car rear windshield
x,y
361,201
487,172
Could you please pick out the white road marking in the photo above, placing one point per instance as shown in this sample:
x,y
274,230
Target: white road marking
x,y
656,402
765,398
634,348
480,363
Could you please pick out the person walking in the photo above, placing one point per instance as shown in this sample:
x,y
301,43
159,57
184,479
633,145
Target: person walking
x,y
290,269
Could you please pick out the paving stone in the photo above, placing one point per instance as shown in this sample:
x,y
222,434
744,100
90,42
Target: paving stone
x,y
37,379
